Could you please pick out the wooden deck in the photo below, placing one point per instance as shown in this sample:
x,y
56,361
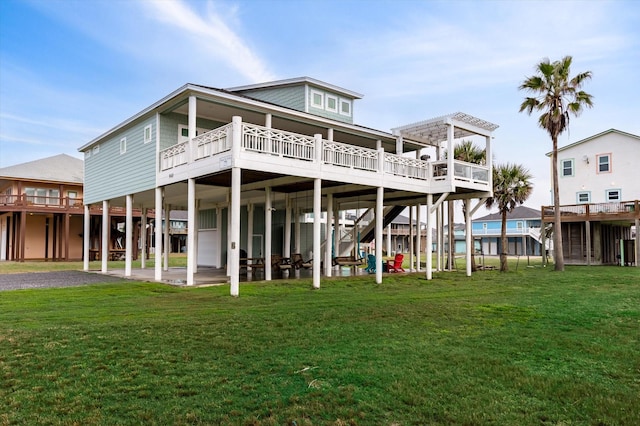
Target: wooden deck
x,y
613,211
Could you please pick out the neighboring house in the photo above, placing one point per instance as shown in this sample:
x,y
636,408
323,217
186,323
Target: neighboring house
x,y
599,193
41,211
247,163
42,214
523,232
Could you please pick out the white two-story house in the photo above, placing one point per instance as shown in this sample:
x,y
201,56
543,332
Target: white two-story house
x,y
248,162
599,193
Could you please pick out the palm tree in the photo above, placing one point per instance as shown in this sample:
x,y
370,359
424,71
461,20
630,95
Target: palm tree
x,y
556,95
467,151
511,186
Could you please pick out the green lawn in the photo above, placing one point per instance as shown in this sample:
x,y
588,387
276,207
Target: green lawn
x,y
527,347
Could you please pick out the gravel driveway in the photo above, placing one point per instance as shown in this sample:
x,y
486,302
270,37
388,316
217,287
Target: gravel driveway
x,y
52,279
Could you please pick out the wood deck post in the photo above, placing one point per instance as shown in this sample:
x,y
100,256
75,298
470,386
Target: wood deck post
x,y
128,230
328,246
191,221
268,214
86,238
378,232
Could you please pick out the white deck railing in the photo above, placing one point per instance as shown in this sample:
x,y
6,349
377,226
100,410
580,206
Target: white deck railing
x,y
355,157
301,147
213,142
277,142
407,167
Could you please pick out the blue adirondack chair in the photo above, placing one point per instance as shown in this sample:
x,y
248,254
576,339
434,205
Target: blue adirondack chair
x,y
371,264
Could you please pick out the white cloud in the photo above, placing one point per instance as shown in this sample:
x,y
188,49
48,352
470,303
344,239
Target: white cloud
x,y
211,35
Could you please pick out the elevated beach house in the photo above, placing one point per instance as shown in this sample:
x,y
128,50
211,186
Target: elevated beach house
x,y
247,162
599,197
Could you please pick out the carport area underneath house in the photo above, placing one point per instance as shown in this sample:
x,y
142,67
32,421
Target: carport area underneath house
x,y
207,276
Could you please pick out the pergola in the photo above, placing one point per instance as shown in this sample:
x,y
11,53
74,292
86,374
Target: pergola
x,y
441,132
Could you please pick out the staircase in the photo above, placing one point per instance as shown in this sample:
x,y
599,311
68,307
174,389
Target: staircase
x,y
389,213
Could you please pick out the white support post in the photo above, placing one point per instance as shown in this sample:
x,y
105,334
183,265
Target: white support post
x,y
399,145
378,232
317,257
467,232
128,231
143,238
337,233
637,240
158,236
105,235
297,229
450,135
418,237
389,240
196,232
229,233
249,231
411,235
268,212
191,229
192,125
235,231
327,238
489,161
218,240
439,236
287,226
167,237
86,238
429,243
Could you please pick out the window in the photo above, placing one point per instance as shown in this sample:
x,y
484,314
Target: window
x,y
72,197
583,197
345,107
123,145
613,195
332,103
147,134
604,163
54,196
87,154
519,225
317,99
183,132
567,168
96,149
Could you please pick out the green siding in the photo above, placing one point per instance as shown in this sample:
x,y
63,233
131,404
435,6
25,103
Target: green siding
x,y
169,127
329,114
289,97
109,174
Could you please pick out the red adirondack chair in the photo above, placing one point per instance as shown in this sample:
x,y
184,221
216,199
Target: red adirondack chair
x,y
395,265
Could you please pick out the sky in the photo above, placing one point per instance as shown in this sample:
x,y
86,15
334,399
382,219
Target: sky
x,y
73,69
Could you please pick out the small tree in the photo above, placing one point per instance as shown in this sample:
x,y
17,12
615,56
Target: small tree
x,y
511,186
556,95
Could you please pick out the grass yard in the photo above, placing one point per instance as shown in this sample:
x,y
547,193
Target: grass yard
x,y
527,347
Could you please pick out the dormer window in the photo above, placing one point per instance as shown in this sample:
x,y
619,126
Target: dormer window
x,y
332,103
345,107
317,99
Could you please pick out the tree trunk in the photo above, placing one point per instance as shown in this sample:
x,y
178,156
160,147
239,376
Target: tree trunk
x,y
558,255
503,242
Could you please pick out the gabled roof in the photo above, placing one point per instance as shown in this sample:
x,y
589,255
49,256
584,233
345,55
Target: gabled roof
x,y
590,138
520,212
61,168
294,82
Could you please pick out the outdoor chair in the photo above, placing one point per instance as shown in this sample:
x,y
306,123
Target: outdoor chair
x,y
371,264
298,262
395,265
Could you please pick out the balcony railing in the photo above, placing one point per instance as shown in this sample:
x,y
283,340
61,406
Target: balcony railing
x,y
624,209
285,144
24,200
